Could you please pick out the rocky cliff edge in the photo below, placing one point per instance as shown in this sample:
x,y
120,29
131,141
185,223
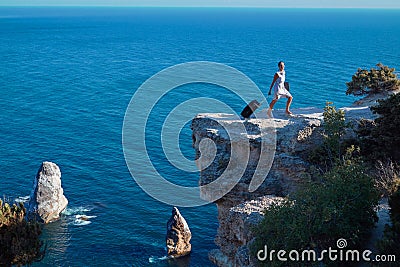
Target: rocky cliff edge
x,y
287,142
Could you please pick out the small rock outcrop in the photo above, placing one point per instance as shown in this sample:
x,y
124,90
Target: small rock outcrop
x,y
178,235
47,199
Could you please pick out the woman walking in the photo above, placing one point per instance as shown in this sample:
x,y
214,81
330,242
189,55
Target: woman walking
x,y
279,90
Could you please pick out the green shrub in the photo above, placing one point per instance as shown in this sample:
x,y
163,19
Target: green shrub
x,y
319,214
19,239
373,81
334,128
333,148
386,133
380,139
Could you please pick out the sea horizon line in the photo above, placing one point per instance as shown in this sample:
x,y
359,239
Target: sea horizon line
x,y
206,7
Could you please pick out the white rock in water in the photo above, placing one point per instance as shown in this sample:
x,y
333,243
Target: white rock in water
x,y
47,199
178,235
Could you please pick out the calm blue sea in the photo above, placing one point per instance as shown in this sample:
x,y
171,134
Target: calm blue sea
x,y
67,76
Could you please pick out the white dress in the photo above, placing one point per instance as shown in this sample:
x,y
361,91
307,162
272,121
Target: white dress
x,y
279,86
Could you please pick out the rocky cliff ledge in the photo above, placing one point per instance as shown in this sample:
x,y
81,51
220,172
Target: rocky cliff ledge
x,y
292,139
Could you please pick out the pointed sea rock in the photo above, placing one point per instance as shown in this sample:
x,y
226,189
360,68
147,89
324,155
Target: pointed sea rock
x,y
47,199
178,235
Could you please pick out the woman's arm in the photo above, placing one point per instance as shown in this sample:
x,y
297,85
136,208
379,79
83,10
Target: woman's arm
x,y
276,76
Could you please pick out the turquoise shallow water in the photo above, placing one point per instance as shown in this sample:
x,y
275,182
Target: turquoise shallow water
x,y
68,74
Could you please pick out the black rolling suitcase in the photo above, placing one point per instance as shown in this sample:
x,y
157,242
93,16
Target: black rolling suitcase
x,y
250,108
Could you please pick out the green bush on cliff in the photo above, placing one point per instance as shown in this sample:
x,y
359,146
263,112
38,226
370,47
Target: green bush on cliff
x,y
380,139
19,239
317,215
339,203
334,128
333,149
373,81
386,132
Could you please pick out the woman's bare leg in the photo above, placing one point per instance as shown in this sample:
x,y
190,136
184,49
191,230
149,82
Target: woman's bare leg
x,y
271,106
289,101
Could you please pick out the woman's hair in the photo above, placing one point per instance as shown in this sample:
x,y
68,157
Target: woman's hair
x,y
279,63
